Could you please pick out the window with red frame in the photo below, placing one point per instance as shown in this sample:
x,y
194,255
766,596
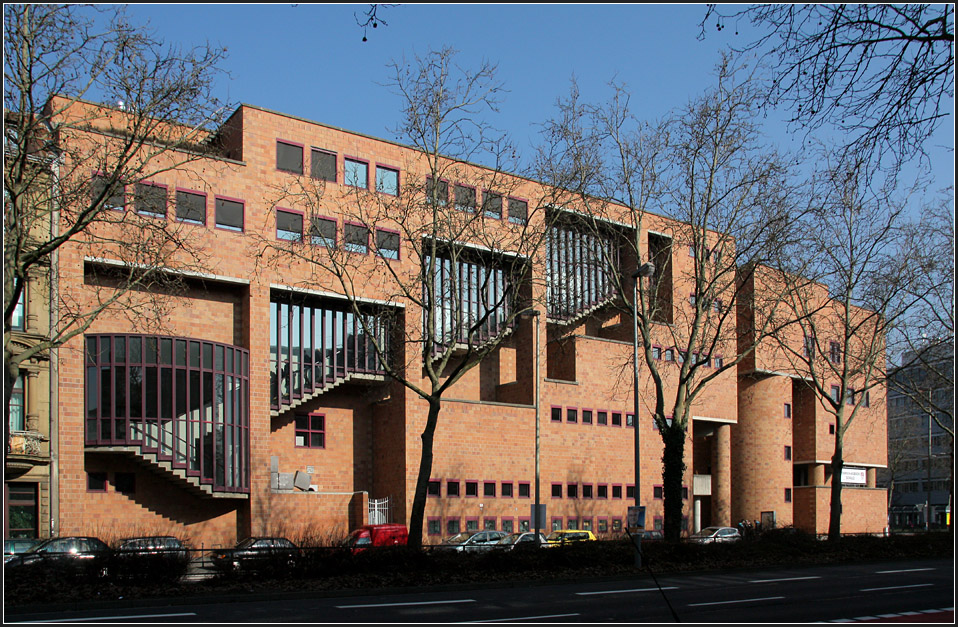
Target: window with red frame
x,y
311,431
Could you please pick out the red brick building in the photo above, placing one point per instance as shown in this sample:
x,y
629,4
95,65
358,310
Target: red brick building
x,y
257,404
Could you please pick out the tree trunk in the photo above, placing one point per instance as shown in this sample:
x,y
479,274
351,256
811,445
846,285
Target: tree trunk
x,y
425,471
835,513
673,473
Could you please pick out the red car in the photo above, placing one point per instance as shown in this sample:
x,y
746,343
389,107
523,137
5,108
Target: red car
x,y
390,534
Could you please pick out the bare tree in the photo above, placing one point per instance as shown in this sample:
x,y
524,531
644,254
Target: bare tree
x,y
881,74
70,167
704,168
448,245
847,297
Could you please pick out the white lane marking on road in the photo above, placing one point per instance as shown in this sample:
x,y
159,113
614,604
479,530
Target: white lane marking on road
x,y
585,594
95,618
906,570
511,620
782,579
736,601
914,585
348,607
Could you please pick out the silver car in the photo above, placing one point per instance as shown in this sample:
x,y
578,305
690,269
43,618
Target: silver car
x,y
472,540
716,534
522,539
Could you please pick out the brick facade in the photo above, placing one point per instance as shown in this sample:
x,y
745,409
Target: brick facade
x,y
371,427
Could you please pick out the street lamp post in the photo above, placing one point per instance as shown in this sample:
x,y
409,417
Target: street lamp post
x,y
645,270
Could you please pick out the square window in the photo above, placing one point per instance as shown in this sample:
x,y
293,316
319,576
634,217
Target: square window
x,y
489,489
114,198
190,207
572,490
452,526
616,419
617,492
96,482
472,488
356,238
557,490
836,394
572,523
718,362
587,416
387,180
849,396
289,157
150,199
452,488
630,492
572,415
489,524
472,524
465,198
356,173
433,527
229,214
602,525
602,418
556,414
656,352
506,489
492,205
616,525
310,431
323,166
322,232
507,525
437,193
433,487
587,490
630,420
669,354
657,492
518,211
602,491
387,243
524,490
289,225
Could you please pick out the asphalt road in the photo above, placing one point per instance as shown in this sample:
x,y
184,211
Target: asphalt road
x,y
921,589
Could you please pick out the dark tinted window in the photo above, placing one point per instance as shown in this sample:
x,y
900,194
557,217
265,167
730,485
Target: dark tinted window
x,y
323,232
289,158
150,199
323,165
229,214
190,207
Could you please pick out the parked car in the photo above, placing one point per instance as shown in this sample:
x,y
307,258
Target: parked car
x,y
152,556
390,534
650,535
472,541
255,554
15,546
565,536
73,554
521,540
710,535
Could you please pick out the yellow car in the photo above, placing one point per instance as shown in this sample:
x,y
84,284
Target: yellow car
x,y
565,536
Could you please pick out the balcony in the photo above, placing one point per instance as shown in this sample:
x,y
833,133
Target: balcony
x,y
177,404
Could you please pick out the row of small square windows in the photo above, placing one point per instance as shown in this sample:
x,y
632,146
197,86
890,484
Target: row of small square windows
x,y
603,524
572,490
323,167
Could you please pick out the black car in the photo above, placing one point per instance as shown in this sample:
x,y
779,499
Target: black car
x,y
15,546
163,557
257,554
75,555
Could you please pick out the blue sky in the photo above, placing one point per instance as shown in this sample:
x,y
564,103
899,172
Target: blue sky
x,y
309,60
